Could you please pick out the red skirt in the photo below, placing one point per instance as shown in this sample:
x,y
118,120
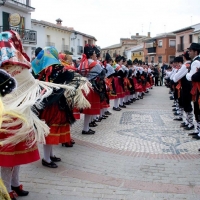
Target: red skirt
x,y
138,86
119,89
18,154
76,113
94,100
59,128
104,105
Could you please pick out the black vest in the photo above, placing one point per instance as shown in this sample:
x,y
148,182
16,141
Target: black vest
x,y
197,58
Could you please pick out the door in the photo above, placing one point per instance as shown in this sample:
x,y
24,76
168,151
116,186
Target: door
x,y
6,24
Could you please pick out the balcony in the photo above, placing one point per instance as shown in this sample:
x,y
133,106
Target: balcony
x,y
65,47
180,47
50,44
23,5
79,50
27,36
151,50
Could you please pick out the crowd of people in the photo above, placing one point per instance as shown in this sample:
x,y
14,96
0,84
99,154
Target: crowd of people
x,y
183,79
39,100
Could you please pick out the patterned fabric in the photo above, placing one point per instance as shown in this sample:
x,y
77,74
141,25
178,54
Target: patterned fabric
x,y
11,51
47,57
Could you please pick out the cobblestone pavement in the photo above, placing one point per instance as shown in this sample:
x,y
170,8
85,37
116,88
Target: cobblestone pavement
x,y
136,154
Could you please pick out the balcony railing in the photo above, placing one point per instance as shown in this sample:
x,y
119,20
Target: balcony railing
x,y
180,47
151,50
50,44
79,50
27,36
23,3
65,47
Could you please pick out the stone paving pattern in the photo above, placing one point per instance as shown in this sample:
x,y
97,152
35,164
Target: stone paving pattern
x,y
136,154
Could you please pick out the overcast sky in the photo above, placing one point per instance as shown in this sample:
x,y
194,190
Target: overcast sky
x,y
110,20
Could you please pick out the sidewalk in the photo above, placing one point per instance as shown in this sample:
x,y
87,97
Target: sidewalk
x,y
136,154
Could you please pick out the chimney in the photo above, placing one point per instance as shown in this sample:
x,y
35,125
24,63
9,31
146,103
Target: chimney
x,y
149,34
137,34
59,22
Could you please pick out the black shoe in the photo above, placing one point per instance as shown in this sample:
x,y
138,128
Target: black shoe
x,y
108,113
55,159
122,106
134,99
88,132
183,124
50,165
192,134
137,99
174,109
19,190
105,116
141,97
171,98
92,124
127,103
178,119
174,106
189,128
116,109
196,137
67,144
175,113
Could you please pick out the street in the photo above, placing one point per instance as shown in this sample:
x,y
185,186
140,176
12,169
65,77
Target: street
x,y
136,154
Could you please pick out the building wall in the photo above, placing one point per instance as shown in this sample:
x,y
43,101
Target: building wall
x,y
74,43
186,40
165,51
137,54
27,23
196,37
27,15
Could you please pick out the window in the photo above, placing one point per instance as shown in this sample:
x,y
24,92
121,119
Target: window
x,y
160,43
171,58
146,59
63,41
133,54
172,43
85,42
152,59
140,53
78,42
160,59
190,38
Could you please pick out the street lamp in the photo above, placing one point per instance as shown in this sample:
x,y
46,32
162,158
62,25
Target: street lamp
x,y
2,2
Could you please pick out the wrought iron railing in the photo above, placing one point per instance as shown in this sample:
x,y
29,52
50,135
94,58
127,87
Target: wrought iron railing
x,y
51,44
180,47
79,50
151,50
65,47
27,36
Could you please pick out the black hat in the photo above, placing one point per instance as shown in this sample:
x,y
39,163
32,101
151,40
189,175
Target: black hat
x,y
88,50
186,55
129,62
7,83
135,61
194,46
124,59
108,57
37,51
118,58
178,59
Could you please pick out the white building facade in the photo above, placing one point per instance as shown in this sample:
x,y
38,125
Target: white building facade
x,y
16,15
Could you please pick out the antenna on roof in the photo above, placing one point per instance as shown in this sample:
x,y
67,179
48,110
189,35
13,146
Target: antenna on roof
x,y
149,26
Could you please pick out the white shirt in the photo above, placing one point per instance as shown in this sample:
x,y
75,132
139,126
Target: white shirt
x,y
173,73
181,72
195,65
